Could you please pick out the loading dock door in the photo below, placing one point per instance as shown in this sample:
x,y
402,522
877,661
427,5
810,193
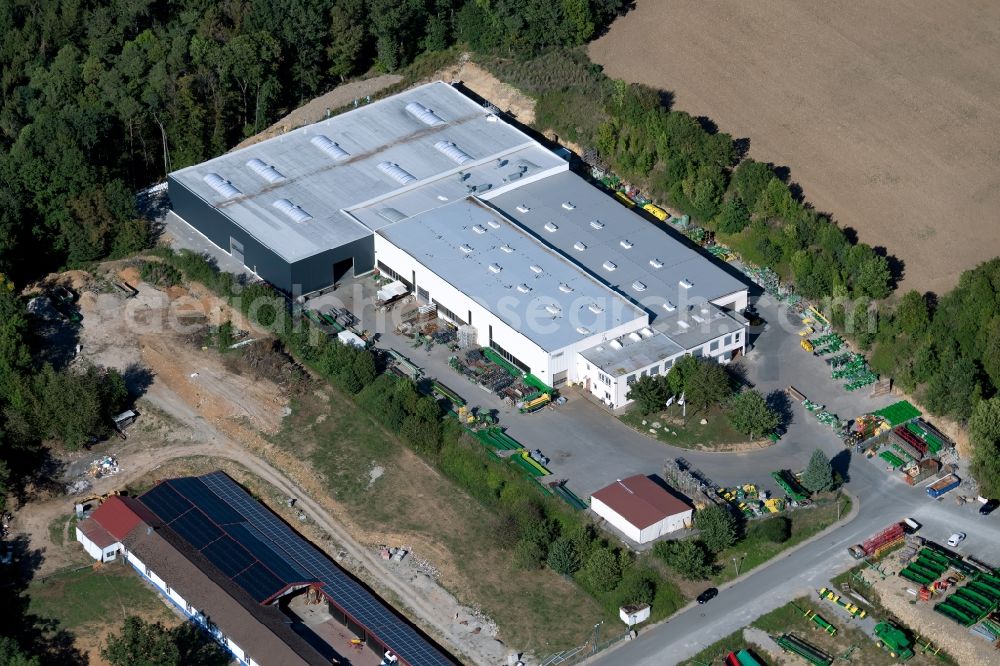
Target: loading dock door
x,y
236,249
342,268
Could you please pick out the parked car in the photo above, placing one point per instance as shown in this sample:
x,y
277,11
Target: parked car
x,y
707,595
989,507
956,538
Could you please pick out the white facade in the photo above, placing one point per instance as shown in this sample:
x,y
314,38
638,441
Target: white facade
x,y
613,389
106,554
668,524
110,553
547,366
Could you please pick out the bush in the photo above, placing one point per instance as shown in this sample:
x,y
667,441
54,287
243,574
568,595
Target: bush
x,y
638,586
159,274
603,570
527,555
775,530
717,526
564,558
686,556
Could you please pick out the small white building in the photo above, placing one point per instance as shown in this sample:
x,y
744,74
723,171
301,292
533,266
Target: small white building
x,y
641,509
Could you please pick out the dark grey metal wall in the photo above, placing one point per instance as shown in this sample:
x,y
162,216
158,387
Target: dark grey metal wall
x,y
301,277
218,228
316,272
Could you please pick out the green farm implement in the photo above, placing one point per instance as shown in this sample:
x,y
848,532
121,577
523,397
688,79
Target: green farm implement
x,y
820,622
787,482
891,458
893,640
811,653
848,607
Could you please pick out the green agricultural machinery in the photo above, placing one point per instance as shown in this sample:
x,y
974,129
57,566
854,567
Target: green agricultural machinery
x,y
787,482
893,640
811,653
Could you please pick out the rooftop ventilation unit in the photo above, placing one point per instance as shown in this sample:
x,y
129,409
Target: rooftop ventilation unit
x,y
523,288
683,324
610,265
397,173
615,344
479,229
391,214
638,286
551,226
506,248
465,247
595,308
295,213
597,224
646,332
265,170
668,306
579,246
442,197
634,337
627,244
583,330
553,309
222,186
522,209
331,148
495,268
493,223
687,284
453,152
565,288
569,205
535,268
423,114
656,263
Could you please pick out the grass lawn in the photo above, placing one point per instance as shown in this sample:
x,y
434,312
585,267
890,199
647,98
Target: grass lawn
x,y
717,651
89,599
805,523
392,496
717,434
60,527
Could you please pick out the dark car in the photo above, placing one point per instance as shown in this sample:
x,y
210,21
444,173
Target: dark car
x,y
988,508
707,595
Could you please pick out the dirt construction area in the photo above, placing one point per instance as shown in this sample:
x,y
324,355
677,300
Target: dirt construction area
x,y
199,404
886,113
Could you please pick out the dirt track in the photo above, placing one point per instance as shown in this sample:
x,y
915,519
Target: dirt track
x,y
887,113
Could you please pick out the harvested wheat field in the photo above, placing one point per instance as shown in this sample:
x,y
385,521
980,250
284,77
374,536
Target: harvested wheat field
x,y
886,113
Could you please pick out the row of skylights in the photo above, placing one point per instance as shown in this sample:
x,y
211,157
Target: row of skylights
x,y
222,186
331,148
453,152
293,212
423,114
265,170
397,173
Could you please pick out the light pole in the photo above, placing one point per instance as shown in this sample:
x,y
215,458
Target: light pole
x,y
737,561
597,636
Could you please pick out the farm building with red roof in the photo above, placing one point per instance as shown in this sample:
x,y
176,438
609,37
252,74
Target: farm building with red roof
x,y
640,508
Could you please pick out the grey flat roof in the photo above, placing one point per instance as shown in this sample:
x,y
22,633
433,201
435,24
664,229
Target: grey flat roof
x,y
436,240
321,186
506,171
630,354
696,326
647,242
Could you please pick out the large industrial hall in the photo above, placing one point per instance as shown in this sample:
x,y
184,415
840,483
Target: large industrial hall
x,y
469,213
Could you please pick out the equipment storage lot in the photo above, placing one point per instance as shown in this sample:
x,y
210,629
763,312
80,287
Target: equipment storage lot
x,y
885,112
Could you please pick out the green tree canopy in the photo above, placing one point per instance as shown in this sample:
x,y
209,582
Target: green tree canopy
x,y
650,393
749,413
687,557
818,475
564,557
717,526
984,434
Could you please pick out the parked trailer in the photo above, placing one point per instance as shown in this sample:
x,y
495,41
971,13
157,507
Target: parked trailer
x,y
944,485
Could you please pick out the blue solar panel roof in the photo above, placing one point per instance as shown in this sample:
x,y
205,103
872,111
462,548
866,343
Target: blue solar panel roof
x,y
213,527
285,544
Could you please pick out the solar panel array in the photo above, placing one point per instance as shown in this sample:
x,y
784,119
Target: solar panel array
x,y
364,607
221,534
